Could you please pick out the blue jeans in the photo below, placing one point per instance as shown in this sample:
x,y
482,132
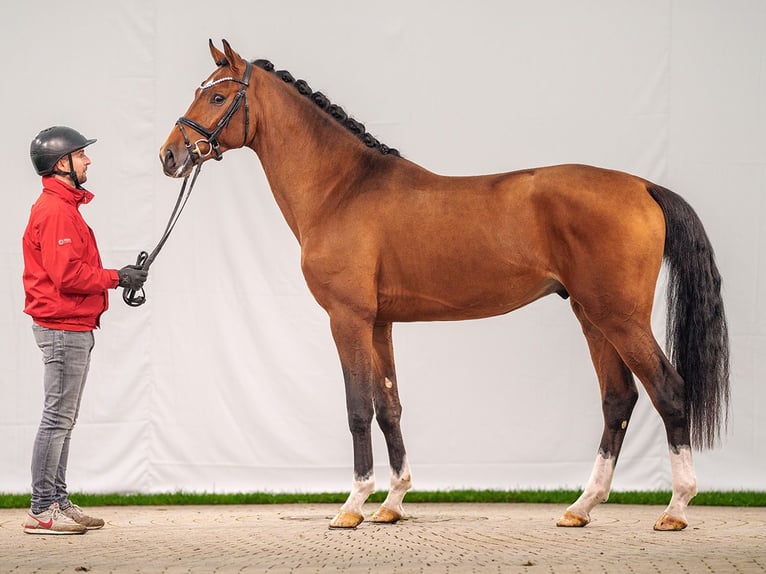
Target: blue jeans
x,y
66,355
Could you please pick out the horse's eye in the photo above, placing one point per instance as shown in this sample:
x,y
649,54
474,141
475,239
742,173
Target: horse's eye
x,y
217,99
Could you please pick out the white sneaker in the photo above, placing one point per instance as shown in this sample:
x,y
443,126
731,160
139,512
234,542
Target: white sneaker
x,y
52,521
75,513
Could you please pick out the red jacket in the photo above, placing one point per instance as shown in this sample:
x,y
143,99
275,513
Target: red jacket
x,y
64,281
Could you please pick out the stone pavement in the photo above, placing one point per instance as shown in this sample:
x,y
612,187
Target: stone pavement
x,y
438,538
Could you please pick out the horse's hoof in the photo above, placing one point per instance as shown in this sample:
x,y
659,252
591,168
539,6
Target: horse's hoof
x,y
666,522
345,519
386,516
570,519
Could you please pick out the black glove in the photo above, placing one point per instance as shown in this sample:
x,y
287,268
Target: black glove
x,y
132,277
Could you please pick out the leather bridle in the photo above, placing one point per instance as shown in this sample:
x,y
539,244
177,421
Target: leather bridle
x,y
211,136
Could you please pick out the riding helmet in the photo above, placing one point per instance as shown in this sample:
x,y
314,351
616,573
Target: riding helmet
x,y
52,144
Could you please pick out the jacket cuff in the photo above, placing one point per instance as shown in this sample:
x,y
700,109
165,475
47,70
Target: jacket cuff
x,y
115,278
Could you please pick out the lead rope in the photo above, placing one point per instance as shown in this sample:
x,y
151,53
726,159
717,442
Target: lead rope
x,y
137,298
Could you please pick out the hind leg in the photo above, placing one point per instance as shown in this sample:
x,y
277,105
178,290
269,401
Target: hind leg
x,y
684,489
665,387
388,412
618,397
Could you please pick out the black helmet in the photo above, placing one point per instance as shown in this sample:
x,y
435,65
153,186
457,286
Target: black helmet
x,y
52,144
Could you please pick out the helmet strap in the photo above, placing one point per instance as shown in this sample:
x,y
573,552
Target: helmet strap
x,y
71,173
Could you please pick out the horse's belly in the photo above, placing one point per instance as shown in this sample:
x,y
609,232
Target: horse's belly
x,y
462,300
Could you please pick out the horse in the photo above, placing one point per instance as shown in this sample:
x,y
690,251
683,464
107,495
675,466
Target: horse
x,y
384,240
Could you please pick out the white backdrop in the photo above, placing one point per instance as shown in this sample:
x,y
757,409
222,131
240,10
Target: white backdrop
x,y
227,379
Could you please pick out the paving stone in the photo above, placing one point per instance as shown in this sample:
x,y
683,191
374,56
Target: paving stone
x,y
436,538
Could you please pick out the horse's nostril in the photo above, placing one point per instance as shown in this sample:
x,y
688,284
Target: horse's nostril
x,y
169,159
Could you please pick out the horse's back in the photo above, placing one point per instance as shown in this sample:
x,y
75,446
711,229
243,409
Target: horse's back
x,y
542,217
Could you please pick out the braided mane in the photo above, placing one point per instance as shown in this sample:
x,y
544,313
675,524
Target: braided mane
x,y
323,102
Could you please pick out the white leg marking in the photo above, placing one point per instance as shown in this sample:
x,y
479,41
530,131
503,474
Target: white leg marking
x,y
684,481
400,484
598,487
360,490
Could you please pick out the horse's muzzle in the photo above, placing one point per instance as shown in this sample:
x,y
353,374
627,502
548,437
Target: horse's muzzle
x,y
172,164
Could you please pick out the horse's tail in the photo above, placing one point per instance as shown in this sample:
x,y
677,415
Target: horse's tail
x,y
697,334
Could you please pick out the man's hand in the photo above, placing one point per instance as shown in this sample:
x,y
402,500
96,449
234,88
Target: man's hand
x,y
132,277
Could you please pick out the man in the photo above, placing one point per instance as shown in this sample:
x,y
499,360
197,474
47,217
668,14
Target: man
x,y
66,291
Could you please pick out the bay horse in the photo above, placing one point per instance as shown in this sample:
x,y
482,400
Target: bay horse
x,y
384,240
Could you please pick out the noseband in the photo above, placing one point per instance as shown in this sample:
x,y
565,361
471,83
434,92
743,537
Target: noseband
x,y
211,136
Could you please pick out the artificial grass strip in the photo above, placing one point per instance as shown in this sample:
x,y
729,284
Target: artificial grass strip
x,y
725,498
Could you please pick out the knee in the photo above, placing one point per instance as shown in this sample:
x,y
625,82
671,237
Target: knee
x,y
57,420
388,418
359,420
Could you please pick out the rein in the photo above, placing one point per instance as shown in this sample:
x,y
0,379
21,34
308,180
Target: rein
x,y
144,260
137,298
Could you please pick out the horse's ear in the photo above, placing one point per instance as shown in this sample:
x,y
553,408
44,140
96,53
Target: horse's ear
x,y
231,56
218,57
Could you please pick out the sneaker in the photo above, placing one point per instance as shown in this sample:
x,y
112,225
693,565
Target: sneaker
x,y
52,521
75,513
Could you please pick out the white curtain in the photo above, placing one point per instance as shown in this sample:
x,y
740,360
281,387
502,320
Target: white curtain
x,y
227,379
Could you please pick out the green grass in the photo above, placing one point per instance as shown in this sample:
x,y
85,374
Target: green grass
x,y
566,497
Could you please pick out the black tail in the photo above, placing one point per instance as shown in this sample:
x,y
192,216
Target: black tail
x,y
697,335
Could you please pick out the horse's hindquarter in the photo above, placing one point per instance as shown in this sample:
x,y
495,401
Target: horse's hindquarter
x,y
607,236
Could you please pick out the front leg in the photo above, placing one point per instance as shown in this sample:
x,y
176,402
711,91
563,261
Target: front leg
x,y
392,510
388,411
350,514
353,338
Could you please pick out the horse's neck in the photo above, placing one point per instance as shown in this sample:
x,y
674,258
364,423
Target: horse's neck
x,y
309,160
